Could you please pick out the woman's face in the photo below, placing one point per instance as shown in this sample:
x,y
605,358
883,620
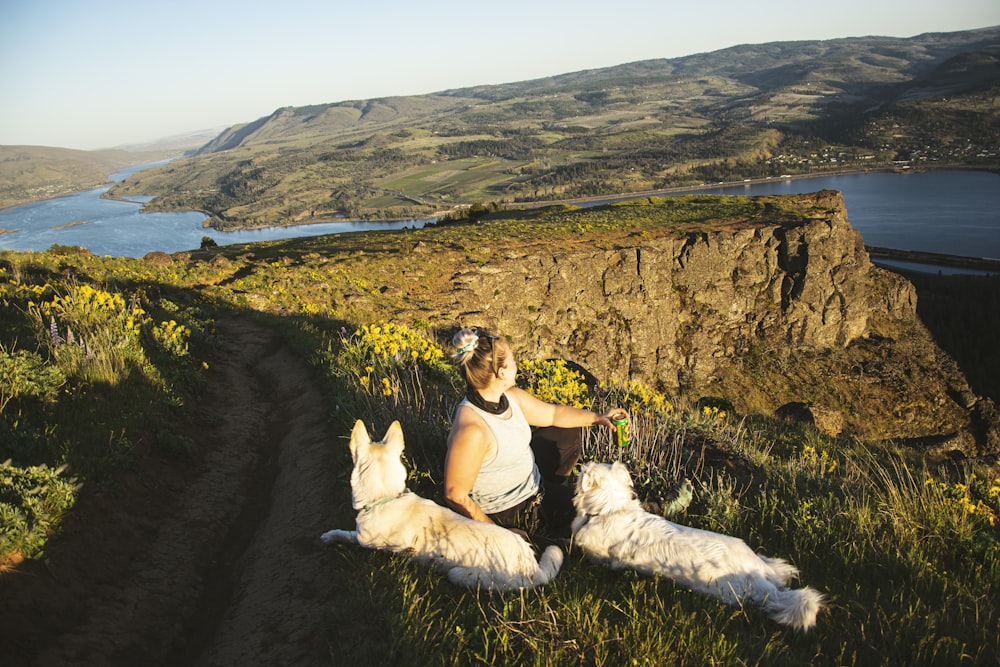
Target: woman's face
x,y
507,373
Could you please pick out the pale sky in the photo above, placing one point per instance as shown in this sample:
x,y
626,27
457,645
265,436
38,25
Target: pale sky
x,y
94,73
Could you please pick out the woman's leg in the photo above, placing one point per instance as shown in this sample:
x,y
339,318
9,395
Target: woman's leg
x,y
557,511
557,451
526,515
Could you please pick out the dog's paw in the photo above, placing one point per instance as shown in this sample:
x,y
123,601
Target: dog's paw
x,y
339,537
685,494
669,502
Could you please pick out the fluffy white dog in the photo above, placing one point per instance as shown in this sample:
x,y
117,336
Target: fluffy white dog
x,y
612,528
392,518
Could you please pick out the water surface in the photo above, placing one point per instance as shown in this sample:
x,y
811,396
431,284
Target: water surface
x,y
952,212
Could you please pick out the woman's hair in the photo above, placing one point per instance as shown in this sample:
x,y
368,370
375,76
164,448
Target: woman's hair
x,y
479,356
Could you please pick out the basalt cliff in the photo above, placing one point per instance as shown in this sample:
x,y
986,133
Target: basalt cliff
x,y
765,304
781,311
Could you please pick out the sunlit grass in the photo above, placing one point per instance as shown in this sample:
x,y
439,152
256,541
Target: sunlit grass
x,y
906,555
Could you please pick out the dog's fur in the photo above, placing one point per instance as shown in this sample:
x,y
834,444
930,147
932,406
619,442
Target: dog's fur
x,y
611,528
391,518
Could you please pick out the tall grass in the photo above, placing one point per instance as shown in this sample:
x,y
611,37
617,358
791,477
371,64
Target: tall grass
x,y
907,555
92,377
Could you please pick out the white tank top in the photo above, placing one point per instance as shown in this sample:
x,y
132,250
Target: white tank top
x,y
509,476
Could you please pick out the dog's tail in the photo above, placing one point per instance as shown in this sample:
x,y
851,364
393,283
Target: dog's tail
x,y
796,608
781,571
472,577
548,565
343,536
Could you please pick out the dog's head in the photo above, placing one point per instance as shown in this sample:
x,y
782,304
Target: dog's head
x,y
603,488
378,467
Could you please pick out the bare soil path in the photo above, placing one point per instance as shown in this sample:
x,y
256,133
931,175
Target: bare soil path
x,y
213,564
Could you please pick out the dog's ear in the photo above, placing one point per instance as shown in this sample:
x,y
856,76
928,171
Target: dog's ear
x,y
359,438
394,436
585,480
621,473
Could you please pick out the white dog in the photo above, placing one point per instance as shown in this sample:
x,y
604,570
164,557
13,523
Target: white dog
x,y
611,528
392,518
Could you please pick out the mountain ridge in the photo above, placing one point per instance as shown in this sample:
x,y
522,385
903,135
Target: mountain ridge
x,y
701,64
748,111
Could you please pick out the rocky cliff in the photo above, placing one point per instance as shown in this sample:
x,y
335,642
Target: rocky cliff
x,y
763,312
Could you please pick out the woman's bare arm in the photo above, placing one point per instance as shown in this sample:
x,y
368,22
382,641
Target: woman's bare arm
x,y
540,413
467,447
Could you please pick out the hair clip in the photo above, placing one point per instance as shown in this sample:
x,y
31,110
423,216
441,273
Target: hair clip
x,y
470,346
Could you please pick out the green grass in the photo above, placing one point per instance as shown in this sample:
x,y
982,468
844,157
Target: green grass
x,y
93,377
464,180
906,555
905,552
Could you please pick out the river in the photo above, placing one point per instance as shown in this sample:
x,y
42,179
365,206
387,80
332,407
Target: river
x,y
120,229
953,212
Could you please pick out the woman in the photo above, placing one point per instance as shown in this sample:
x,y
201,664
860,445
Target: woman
x,y
496,469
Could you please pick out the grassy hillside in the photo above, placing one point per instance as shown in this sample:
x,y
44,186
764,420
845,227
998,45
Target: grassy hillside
x,y
752,111
905,551
29,173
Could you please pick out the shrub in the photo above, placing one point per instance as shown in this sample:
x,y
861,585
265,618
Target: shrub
x,y
25,374
92,333
32,500
553,381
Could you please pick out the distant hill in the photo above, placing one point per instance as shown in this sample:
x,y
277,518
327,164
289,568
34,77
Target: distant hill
x,y
188,142
750,111
30,173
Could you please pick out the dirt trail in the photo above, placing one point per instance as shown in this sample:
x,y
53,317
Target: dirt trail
x,y
215,565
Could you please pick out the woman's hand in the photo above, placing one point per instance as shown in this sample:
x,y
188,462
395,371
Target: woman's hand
x,y
613,413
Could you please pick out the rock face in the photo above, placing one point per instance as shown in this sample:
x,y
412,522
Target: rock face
x,y
672,310
827,422
688,313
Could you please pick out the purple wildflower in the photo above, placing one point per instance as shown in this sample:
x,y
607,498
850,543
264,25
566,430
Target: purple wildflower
x,y
54,332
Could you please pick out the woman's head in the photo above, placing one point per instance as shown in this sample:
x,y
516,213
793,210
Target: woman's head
x,y
479,356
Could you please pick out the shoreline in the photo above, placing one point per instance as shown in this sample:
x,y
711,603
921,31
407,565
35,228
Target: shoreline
x,y
693,189
930,259
509,206
935,259
11,207
640,194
